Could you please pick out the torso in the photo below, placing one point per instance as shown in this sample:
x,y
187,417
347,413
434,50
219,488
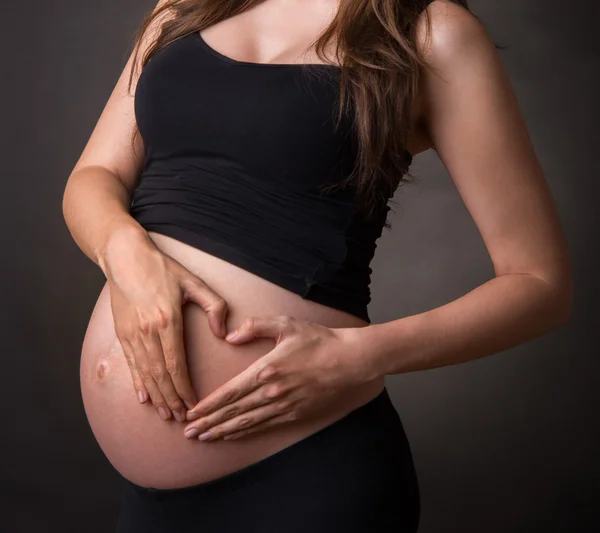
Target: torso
x,y
141,446
153,452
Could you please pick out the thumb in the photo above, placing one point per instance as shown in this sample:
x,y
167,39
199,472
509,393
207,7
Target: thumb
x,y
197,291
253,327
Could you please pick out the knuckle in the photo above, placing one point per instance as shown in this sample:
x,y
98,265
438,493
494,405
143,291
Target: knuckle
x,y
172,366
131,362
286,321
158,401
144,324
230,395
247,324
175,404
162,318
219,304
267,373
232,411
275,390
144,371
244,422
284,405
157,372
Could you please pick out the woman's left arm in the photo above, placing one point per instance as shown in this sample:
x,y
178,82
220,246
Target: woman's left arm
x,y
473,119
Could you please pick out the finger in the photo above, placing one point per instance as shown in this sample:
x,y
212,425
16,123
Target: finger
x,y
171,338
138,383
246,403
257,428
154,393
160,375
144,366
253,327
215,307
242,422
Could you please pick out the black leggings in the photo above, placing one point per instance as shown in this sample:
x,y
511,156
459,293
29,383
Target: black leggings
x,y
355,475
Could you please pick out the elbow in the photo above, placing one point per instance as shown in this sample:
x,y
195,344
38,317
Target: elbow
x,y
65,205
66,198
560,302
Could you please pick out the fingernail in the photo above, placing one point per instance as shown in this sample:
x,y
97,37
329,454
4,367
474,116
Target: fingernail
x,y
141,396
231,335
205,436
163,413
192,432
192,416
180,417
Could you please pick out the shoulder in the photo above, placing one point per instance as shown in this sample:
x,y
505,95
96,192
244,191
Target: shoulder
x,y
448,34
462,66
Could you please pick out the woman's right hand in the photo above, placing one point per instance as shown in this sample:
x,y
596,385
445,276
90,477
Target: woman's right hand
x,y
148,289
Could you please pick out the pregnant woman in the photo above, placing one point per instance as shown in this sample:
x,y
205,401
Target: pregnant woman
x,y
238,182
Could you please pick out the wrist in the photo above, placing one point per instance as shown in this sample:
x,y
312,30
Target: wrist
x,y
365,351
120,242
380,350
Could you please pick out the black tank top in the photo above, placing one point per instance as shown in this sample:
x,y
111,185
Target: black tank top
x,y
235,154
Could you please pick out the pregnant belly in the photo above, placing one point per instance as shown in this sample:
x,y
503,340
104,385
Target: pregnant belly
x,y
152,452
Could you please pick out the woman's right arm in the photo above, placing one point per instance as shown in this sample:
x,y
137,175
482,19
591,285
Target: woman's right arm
x,y
147,287
98,191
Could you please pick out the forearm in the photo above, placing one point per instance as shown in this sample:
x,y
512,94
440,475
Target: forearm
x,y
96,211
499,314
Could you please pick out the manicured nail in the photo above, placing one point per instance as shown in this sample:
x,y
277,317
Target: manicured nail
x,y
141,396
180,417
231,335
205,436
192,432
163,413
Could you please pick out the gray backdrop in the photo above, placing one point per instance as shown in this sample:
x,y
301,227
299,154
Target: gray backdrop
x,y
505,443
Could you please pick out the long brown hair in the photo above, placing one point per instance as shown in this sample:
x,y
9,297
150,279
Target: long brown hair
x,y
375,46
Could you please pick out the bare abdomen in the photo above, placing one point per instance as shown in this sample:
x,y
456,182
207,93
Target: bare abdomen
x,y
152,452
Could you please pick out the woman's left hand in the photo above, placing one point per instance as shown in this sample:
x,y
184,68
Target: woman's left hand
x,y
310,365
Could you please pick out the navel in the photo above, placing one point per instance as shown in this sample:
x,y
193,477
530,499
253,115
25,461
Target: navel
x,y
103,369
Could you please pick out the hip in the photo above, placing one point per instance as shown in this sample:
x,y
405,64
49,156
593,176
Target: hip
x,y
354,475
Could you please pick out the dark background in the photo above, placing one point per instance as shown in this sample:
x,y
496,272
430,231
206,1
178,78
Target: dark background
x,y
508,443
